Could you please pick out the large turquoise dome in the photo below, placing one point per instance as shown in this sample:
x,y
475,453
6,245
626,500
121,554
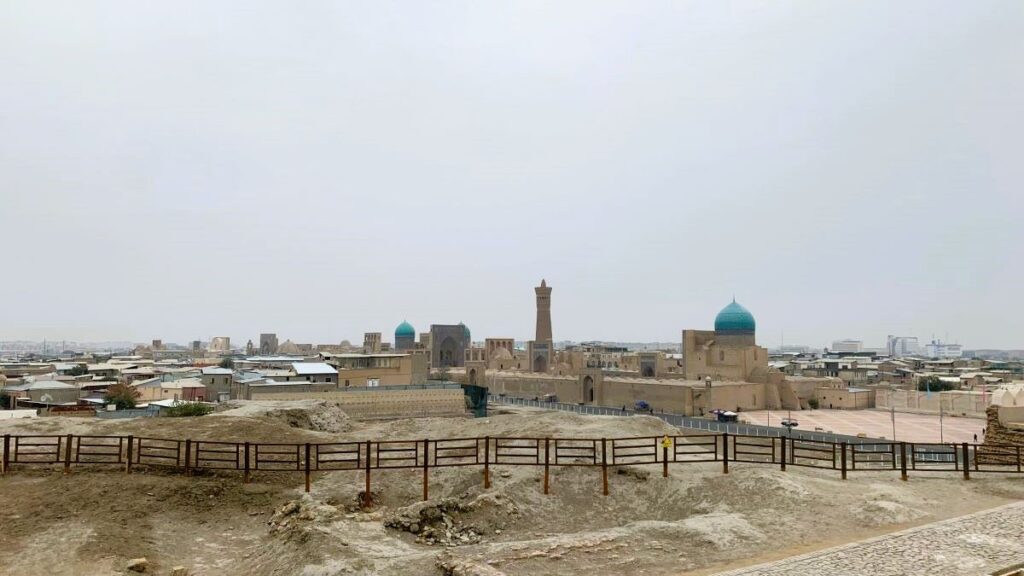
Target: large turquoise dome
x,y
405,330
735,319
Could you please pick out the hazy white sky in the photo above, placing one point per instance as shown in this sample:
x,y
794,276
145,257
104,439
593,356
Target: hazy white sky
x,y
182,170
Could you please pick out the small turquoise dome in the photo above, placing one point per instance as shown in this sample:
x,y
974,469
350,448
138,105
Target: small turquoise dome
x,y
405,330
734,318
465,332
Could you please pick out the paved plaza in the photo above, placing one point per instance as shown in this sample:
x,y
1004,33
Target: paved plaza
x,y
876,423
976,544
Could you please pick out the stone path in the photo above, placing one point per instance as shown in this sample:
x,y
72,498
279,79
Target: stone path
x,y
975,544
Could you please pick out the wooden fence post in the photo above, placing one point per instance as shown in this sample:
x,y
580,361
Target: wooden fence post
x,y
903,461
367,498
307,466
426,467
7,454
67,454
782,453
547,449
604,465
967,456
128,464
188,457
246,478
842,458
487,462
664,461
725,452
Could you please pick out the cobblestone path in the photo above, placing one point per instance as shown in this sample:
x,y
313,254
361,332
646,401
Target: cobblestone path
x,y
975,544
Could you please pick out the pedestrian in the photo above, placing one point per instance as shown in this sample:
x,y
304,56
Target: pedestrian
x,y
975,438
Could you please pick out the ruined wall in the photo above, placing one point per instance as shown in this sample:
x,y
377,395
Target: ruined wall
x,y
385,403
1003,432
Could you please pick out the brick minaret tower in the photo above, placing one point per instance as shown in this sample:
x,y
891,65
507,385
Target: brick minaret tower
x,y
543,312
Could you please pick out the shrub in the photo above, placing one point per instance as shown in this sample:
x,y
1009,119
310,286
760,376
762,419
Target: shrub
x,y
227,363
813,403
122,396
184,409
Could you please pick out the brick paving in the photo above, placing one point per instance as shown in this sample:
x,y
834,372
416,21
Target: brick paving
x,y
876,423
976,544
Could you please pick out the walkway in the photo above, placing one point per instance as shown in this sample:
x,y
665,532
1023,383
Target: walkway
x,y
976,544
878,423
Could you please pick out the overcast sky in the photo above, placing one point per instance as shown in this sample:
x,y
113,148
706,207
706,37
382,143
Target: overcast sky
x,y
182,170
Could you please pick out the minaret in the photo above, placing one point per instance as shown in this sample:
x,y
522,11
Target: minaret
x,y
543,312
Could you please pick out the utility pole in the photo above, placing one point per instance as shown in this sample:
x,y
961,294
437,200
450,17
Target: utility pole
x,y
941,438
892,412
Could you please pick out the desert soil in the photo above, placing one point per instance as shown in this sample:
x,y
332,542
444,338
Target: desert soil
x,y
696,521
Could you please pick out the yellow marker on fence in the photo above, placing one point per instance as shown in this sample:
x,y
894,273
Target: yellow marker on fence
x,y
666,443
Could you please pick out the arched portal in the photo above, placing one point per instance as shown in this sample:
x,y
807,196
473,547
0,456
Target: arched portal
x,y
447,352
472,377
588,389
540,364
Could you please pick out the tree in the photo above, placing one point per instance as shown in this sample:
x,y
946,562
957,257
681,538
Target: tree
x,y
122,396
227,363
935,384
78,370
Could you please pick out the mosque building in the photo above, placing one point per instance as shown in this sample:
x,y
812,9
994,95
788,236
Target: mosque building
x,y
405,337
729,352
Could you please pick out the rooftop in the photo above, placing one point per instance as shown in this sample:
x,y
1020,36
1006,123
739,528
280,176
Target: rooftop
x,y
313,368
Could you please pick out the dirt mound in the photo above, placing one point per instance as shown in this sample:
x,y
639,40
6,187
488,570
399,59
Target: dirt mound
x,y
316,415
454,521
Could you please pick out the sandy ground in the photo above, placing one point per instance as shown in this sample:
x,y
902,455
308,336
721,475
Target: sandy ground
x,y
696,521
877,424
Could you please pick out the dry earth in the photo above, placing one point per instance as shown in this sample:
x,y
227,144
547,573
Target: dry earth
x,y
697,521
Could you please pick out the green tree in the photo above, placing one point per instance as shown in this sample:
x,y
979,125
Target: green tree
x,y
78,370
227,363
934,384
122,396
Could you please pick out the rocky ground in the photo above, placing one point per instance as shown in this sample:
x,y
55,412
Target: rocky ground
x,y
696,521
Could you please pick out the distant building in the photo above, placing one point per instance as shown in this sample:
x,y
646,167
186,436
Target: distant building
x,y
853,346
370,370
939,349
541,350
405,337
900,346
729,352
218,382
220,344
448,344
268,344
371,343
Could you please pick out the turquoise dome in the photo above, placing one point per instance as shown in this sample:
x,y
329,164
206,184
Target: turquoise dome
x,y
405,330
734,318
465,333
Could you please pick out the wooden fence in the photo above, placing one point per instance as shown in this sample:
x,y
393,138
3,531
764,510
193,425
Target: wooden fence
x,y
249,458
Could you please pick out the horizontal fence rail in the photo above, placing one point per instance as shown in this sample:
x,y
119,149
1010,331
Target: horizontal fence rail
x,y
192,456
